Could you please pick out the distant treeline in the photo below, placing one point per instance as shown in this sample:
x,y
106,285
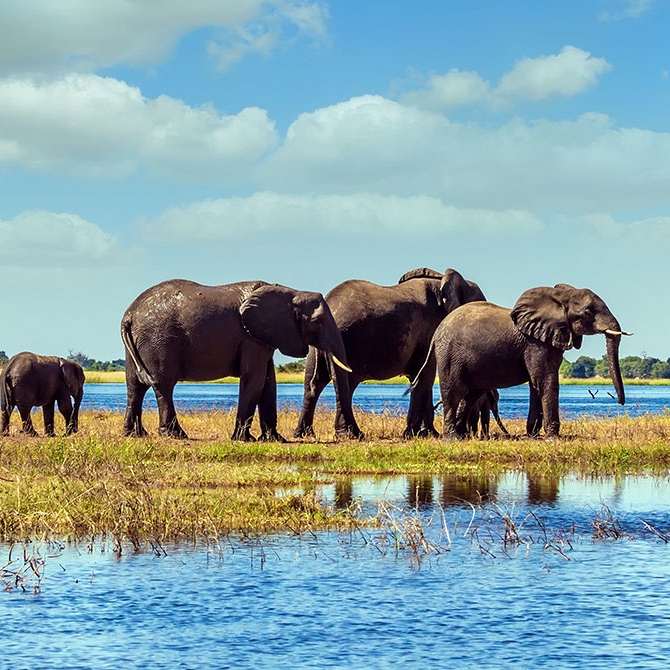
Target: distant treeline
x,y
585,367
632,367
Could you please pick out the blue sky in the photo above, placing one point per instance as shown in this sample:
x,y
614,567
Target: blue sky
x,y
306,143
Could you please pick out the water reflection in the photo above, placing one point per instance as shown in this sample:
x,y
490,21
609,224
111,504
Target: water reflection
x,y
458,490
559,597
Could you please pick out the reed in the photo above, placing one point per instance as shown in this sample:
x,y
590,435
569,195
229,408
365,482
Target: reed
x,y
99,484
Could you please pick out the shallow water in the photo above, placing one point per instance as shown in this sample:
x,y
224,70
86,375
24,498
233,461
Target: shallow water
x,y
468,597
575,401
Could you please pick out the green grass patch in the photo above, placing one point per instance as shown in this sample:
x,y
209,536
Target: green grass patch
x,y
99,483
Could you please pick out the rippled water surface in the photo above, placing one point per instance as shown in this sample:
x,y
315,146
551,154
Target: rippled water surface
x,y
496,573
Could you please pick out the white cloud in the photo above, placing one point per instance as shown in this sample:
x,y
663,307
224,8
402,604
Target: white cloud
x,y
47,239
270,29
565,74
80,35
235,218
625,9
371,144
93,126
568,73
453,89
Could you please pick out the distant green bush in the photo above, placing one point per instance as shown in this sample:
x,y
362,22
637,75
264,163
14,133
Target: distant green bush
x,y
632,367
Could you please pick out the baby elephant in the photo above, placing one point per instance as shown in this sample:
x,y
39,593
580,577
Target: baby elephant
x,y
29,380
481,412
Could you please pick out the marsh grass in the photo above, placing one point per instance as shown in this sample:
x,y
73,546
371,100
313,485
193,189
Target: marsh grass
x,y
99,484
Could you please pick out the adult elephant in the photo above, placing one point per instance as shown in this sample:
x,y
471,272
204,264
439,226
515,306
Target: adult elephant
x,y
29,380
484,346
182,331
386,332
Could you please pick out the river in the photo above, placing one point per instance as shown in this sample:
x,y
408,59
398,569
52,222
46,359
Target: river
x,y
574,400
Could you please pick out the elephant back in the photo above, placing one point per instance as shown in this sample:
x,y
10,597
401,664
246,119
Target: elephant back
x,y
420,273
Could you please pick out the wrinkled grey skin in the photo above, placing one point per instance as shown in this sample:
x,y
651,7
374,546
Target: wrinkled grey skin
x,y
483,346
29,380
183,331
386,332
480,415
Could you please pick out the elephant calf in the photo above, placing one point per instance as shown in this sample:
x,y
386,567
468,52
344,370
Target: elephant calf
x,y
29,380
479,417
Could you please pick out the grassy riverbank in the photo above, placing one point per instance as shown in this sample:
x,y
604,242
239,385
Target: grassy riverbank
x,y
98,483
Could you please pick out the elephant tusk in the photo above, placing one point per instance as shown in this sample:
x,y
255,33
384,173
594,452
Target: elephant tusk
x,y
616,332
340,364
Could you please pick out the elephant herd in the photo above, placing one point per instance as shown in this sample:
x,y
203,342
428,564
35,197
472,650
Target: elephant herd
x,y
428,323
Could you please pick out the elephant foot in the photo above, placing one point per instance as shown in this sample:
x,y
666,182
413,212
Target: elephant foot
x,y
410,433
241,435
175,432
134,432
304,431
452,436
272,436
349,433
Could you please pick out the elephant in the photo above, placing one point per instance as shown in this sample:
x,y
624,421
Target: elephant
x,y
179,330
484,346
386,332
480,414
29,380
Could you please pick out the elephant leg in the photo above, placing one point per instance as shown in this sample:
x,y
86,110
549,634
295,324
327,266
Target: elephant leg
x,y
7,410
550,413
26,422
252,382
455,423
534,421
485,421
346,427
65,408
421,411
136,390
168,424
48,414
316,379
267,407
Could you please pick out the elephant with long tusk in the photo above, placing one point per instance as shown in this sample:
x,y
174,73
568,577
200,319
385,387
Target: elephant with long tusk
x,y
183,331
484,346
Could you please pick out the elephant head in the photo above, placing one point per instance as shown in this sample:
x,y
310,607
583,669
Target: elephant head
x,y
291,321
562,315
456,291
73,377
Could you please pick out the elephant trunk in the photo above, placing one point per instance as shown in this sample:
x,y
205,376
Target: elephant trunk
x,y
613,339
73,426
329,340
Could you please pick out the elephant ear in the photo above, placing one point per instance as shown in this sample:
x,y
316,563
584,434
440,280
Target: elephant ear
x,y
268,316
420,273
456,291
74,379
541,313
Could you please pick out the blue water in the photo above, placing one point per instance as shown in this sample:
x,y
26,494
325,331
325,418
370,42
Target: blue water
x,y
465,599
575,401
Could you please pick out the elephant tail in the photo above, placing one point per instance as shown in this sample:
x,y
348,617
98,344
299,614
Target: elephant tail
x,y
494,408
422,370
7,392
129,343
